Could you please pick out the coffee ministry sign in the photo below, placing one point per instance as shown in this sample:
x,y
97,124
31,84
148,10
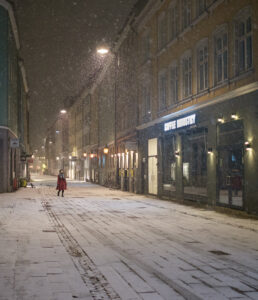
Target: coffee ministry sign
x,y
179,123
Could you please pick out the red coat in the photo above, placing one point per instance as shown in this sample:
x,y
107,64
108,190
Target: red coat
x,y
61,183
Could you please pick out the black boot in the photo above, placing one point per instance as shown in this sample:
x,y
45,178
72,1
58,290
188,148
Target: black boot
x,y
62,193
58,193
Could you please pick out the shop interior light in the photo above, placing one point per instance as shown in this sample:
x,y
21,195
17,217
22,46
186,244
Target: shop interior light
x,y
63,111
234,116
57,158
70,157
221,120
105,150
84,154
92,155
50,142
177,153
248,145
209,150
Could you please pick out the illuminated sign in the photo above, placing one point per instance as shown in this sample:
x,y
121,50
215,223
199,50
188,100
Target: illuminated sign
x,y
179,123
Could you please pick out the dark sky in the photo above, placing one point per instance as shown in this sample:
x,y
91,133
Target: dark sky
x,y
59,40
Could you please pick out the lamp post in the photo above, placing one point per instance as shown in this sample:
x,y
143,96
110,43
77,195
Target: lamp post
x,y
103,50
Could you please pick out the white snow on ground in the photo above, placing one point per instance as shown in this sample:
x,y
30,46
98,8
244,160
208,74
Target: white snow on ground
x,y
98,243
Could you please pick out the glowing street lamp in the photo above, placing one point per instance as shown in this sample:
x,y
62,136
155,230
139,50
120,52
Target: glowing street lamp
x,y
105,150
63,111
102,51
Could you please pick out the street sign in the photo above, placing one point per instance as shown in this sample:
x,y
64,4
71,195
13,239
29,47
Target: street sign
x,y
14,143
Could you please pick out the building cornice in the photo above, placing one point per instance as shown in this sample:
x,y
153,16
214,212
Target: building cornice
x,y
247,89
8,129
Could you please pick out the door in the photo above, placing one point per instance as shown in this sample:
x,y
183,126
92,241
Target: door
x,y
152,166
231,176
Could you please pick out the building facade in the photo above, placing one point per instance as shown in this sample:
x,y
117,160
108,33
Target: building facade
x,y
174,111
14,105
199,142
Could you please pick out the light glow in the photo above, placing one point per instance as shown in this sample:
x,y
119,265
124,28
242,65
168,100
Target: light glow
x,y
102,51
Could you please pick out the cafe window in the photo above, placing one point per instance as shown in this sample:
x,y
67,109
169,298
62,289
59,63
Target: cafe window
x,y
195,163
169,161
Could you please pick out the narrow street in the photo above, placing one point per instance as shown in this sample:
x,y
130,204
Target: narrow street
x,y
98,243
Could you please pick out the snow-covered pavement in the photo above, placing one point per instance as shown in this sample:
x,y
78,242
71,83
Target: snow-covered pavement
x,y
97,243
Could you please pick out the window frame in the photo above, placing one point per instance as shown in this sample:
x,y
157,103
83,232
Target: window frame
x,y
242,17
220,33
201,45
163,94
173,20
162,30
186,14
187,55
173,86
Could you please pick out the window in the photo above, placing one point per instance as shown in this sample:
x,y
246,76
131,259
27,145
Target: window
x,y
162,31
162,89
243,42
202,67
169,161
173,21
187,75
146,47
221,56
146,100
173,83
186,13
200,7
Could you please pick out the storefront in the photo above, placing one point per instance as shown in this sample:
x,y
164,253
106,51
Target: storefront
x,y
208,155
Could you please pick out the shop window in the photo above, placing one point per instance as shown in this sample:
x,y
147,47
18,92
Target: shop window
x,y
162,89
195,163
187,75
243,42
221,56
169,161
173,20
136,160
162,31
186,13
202,66
126,160
173,84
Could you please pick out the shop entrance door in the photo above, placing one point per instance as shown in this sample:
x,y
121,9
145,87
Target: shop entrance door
x,y
231,176
152,166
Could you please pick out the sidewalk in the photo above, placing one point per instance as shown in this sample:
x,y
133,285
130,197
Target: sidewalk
x,y
33,262
98,243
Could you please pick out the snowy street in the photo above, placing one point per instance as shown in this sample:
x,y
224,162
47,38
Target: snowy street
x,y
98,243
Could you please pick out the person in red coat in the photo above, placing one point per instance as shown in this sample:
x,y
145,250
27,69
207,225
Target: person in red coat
x,y
61,183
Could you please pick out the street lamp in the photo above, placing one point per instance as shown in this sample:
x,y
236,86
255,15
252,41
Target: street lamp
x,y
102,50
105,150
63,111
